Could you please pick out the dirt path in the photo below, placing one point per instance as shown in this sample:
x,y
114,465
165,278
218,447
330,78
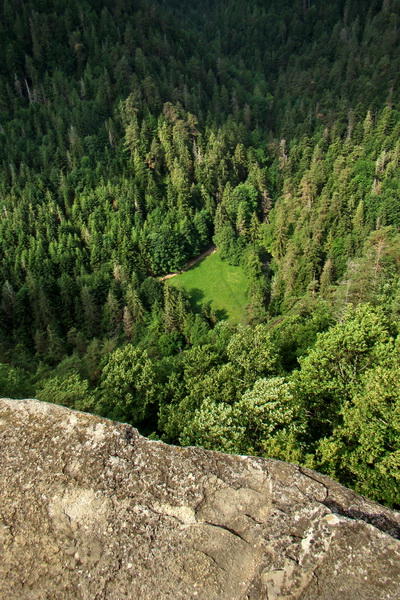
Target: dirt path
x,y
191,263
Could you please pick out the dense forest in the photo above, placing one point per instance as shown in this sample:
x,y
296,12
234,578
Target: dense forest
x,y
133,135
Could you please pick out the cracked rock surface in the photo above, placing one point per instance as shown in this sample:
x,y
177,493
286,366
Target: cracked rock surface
x,y
90,510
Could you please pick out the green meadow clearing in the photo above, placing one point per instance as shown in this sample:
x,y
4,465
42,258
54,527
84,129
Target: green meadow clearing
x,y
213,280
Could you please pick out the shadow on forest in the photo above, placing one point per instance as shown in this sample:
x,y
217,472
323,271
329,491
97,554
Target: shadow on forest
x,y
196,296
221,314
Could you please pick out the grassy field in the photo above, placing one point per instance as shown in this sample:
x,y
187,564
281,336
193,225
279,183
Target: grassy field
x,y
218,282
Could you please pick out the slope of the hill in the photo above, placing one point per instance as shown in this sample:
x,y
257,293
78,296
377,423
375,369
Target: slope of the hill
x,y
135,134
132,133
89,509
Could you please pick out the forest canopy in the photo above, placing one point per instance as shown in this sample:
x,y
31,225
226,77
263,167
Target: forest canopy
x,y
133,136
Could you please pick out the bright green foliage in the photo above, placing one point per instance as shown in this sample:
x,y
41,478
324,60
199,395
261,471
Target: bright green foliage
x,y
330,374
265,421
222,383
14,382
128,388
253,353
250,354
366,448
215,427
70,390
196,330
273,420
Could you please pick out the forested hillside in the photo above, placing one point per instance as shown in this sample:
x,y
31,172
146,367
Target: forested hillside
x,y
133,135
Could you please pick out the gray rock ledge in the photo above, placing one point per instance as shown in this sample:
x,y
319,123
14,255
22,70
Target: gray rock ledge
x,y
90,510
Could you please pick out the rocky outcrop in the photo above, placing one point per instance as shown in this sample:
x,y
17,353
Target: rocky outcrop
x,y
90,510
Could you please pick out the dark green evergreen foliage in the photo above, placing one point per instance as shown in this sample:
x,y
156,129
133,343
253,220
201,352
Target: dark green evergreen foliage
x,y
105,168
132,135
15,382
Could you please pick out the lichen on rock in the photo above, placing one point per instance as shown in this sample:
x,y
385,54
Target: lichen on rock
x,y
89,509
